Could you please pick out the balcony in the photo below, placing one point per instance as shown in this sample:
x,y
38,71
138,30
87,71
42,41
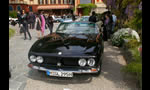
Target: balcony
x,y
17,2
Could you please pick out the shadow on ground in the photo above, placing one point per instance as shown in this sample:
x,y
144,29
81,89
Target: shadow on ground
x,y
111,69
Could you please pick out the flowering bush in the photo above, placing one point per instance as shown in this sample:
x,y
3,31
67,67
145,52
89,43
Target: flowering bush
x,y
124,34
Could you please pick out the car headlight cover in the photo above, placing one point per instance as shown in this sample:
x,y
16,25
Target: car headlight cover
x,y
91,62
39,59
82,62
33,58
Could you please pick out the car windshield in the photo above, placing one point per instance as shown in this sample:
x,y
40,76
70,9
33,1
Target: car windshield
x,y
77,28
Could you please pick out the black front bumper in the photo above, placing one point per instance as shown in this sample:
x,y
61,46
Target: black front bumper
x,y
73,70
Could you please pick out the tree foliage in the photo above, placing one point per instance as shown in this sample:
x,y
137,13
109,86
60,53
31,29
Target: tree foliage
x,y
13,14
87,8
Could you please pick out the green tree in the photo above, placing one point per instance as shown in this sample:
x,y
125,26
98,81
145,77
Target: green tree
x,y
13,14
87,8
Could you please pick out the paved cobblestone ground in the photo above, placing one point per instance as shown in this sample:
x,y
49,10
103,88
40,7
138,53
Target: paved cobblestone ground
x,y
24,78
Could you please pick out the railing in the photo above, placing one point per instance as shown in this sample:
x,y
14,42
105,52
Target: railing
x,y
18,2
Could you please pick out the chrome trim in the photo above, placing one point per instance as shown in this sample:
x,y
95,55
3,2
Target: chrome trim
x,y
73,71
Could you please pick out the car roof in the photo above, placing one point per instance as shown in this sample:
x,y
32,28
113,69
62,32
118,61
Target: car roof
x,y
79,22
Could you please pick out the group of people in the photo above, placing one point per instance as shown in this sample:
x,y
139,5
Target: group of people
x,y
109,22
28,21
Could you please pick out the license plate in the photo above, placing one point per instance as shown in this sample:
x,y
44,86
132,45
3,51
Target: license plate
x,y
59,73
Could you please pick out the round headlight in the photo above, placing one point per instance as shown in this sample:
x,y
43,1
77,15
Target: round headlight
x,y
82,62
33,58
39,59
91,62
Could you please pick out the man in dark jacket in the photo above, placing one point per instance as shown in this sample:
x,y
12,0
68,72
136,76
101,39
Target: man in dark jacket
x,y
93,17
72,16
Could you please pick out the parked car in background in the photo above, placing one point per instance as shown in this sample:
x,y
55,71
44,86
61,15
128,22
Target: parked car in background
x,y
14,20
67,20
75,48
84,18
56,18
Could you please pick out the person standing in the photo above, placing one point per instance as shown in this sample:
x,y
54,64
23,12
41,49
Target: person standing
x,y
25,25
19,21
50,23
19,17
105,31
31,20
108,26
114,18
42,23
72,16
38,26
34,20
93,17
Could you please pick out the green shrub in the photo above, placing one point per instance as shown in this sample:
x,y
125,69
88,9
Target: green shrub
x,y
13,14
86,11
132,43
136,22
11,32
136,54
135,66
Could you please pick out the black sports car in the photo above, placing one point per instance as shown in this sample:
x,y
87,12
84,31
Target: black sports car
x,y
75,48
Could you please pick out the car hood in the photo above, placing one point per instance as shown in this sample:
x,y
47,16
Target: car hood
x,y
67,44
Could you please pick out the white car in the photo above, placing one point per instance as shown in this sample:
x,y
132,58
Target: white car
x,y
13,19
68,20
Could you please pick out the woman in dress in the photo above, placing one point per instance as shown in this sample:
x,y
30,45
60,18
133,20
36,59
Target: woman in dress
x,y
42,23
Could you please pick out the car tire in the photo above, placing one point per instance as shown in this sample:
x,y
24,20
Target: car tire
x,y
99,72
100,67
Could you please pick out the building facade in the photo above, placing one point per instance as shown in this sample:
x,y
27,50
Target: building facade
x,y
101,7
57,7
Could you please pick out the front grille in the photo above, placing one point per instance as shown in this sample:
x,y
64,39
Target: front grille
x,y
50,60
64,61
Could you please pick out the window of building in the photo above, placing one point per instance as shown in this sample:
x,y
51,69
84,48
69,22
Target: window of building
x,y
59,1
85,1
18,8
30,8
46,1
65,1
53,1
70,1
41,2
10,8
